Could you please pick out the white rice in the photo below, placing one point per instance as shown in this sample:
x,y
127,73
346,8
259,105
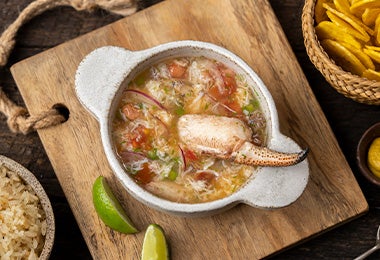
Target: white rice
x,y
22,219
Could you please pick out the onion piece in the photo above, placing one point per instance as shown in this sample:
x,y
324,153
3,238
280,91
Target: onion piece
x,y
221,104
183,158
130,156
159,120
145,97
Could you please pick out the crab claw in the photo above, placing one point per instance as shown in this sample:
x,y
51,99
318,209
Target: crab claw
x,y
229,138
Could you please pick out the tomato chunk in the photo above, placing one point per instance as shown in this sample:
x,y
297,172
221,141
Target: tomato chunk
x,y
228,76
176,70
234,105
139,138
190,155
144,176
222,91
207,177
217,93
130,111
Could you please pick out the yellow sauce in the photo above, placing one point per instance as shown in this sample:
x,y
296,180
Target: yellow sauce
x,y
374,157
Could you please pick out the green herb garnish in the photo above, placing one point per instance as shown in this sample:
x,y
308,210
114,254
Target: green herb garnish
x,y
152,154
180,111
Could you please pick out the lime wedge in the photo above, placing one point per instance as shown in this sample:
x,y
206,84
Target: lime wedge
x,y
109,209
154,247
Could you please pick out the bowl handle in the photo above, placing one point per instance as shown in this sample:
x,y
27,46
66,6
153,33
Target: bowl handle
x,y
275,187
100,74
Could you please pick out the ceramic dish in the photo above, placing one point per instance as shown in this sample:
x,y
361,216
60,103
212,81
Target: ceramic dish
x,y
362,150
104,73
31,180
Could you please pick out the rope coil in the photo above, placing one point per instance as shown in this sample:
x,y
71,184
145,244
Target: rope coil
x,y
18,118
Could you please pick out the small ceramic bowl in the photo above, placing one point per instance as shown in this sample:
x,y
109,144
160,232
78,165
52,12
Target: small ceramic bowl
x,y
105,72
362,150
30,179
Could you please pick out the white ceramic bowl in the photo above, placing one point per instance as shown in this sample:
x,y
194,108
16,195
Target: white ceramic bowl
x,y
101,78
30,179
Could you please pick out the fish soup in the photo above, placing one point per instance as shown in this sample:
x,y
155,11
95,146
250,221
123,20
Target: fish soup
x,y
145,132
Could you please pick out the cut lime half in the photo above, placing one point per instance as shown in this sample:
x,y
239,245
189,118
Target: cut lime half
x,y
109,209
155,246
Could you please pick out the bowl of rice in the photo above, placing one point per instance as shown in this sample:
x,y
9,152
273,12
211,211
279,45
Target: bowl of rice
x,y
27,225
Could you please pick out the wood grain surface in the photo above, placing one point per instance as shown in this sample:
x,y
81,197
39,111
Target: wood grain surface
x,y
75,149
47,79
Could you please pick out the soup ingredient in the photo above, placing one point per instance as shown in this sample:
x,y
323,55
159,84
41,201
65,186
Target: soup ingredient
x,y
145,131
374,157
22,219
109,209
154,246
145,97
230,138
349,32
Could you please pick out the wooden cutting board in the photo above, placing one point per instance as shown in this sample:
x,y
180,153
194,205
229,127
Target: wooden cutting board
x,y
250,30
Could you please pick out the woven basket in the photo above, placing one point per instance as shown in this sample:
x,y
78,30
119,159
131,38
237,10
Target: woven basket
x,y
352,86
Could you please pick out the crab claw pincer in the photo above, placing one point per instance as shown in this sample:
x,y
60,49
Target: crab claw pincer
x,y
229,138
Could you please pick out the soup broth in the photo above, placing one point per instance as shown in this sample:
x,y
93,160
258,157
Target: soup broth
x,y
145,131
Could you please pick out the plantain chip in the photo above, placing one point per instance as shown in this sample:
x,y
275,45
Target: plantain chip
x,y
342,6
329,30
353,21
349,32
320,11
359,7
371,74
374,55
343,57
371,47
369,16
377,30
346,27
363,58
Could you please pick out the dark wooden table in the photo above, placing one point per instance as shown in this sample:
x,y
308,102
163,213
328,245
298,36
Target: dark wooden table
x,y
347,118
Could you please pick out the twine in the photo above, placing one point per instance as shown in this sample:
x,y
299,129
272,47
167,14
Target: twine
x,y
18,118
